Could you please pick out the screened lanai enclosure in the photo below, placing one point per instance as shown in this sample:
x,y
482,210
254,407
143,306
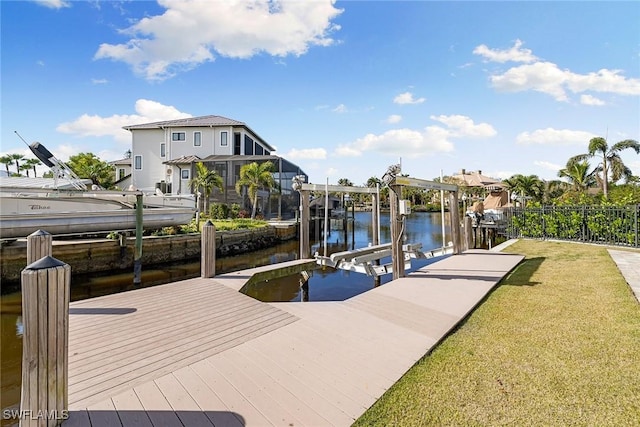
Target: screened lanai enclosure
x,y
281,202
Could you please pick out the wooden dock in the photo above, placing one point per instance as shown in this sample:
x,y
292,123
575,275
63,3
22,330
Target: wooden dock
x,y
199,353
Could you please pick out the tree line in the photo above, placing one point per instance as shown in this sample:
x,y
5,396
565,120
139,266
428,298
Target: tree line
x,y
578,177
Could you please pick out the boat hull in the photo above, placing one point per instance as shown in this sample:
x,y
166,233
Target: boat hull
x,y
21,215
17,226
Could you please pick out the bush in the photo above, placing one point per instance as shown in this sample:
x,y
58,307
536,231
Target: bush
x,y
234,212
219,211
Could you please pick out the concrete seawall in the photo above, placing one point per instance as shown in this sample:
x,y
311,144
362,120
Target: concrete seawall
x,y
99,255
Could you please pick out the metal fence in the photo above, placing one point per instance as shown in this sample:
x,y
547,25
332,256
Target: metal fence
x,y
593,224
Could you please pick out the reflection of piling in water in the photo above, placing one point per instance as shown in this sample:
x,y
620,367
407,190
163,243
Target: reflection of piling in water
x,y
304,286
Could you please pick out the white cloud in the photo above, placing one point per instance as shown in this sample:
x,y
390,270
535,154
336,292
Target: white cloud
x,y
542,77
547,77
461,126
412,143
591,100
407,98
331,172
501,174
548,165
99,81
307,153
190,31
394,118
94,125
555,136
513,54
54,4
340,109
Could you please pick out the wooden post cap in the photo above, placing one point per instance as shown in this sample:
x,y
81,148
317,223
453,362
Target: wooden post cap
x,y
45,262
39,233
208,223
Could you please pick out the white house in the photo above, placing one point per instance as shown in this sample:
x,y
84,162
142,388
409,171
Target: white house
x,y
122,169
164,155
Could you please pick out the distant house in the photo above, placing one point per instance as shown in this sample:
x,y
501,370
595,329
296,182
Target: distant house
x,y
164,155
122,170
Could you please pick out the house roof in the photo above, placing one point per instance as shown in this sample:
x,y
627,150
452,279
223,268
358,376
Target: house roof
x,y
219,158
250,158
474,179
183,160
189,122
125,161
202,121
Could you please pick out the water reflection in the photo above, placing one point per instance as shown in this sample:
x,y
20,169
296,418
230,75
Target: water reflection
x,y
329,284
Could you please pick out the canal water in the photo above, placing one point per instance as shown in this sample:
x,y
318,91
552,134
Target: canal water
x,y
325,284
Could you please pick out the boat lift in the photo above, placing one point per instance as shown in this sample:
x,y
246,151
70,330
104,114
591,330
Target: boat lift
x,y
367,260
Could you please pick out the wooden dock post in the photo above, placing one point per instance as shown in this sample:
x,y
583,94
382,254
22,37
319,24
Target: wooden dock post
x,y
208,250
468,233
39,245
45,312
375,222
305,249
397,256
455,221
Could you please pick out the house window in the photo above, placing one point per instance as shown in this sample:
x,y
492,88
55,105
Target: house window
x,y
184,174
137,162
178,136
163,150
236,144
197,139
259,150
248,146
223,139
121,173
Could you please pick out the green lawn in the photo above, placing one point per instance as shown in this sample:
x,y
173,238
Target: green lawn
x,y
557,343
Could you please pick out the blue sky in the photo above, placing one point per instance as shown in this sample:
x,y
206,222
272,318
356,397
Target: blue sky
x,y
344,89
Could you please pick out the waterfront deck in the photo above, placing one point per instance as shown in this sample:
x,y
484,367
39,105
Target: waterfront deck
x,y
199,353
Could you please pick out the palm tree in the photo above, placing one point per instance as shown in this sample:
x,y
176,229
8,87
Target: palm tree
x,y
578,174
206,180
529,186
17,158
255,176
6,161
554,189
611,164
30,164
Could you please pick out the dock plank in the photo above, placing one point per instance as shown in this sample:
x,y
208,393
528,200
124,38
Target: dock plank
x,y
232,398
312,391
130,410
156,405
187,409
268,405
207,400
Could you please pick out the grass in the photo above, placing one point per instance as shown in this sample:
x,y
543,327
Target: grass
x,y
236,224
556,344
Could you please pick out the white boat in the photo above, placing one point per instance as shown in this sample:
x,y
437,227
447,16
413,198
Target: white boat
x,y
23,211
63,205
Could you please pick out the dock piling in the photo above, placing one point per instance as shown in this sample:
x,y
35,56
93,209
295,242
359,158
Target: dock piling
x,y
208,250
39,245
45,308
